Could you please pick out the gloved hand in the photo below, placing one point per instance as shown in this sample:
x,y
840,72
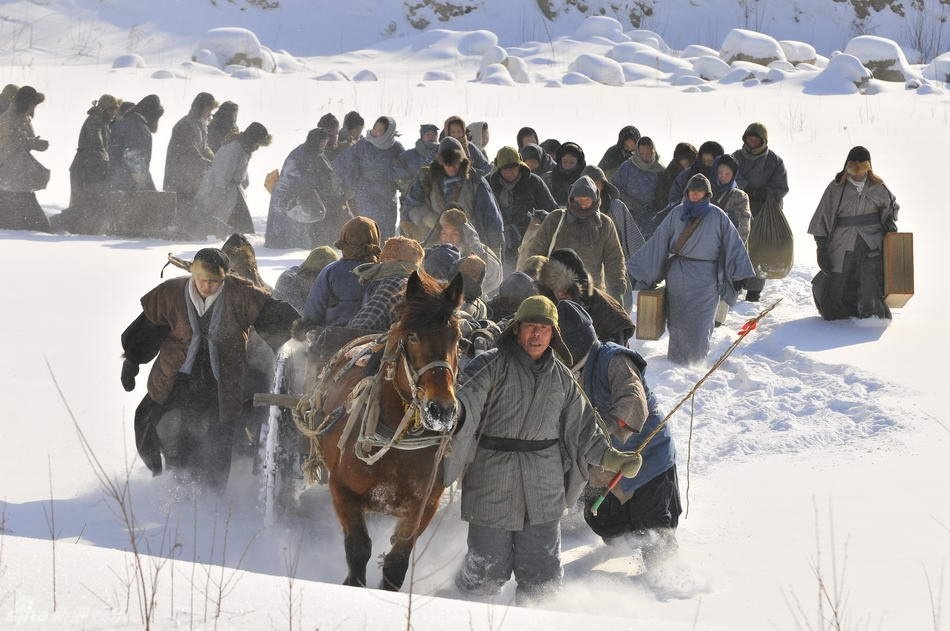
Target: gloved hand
x,y
890,224
129,370
40,144
618,461
823,255
738,285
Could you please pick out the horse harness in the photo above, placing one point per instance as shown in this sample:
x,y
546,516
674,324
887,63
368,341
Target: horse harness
x,y
373,440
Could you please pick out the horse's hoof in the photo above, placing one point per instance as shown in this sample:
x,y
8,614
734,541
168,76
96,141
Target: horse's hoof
x,y
389,587
352,582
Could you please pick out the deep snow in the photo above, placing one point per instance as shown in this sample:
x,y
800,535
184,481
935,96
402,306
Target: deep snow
x,y
844,418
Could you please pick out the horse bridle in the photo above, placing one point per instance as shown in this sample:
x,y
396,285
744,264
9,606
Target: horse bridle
x,y
413,376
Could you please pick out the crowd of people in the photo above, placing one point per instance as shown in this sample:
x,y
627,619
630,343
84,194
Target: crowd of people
x,y
550,249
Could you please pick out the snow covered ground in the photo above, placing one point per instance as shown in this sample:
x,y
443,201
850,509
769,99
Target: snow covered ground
x,y
814,440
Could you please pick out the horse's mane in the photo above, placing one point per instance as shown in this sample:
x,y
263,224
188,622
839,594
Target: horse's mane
x,y
426,310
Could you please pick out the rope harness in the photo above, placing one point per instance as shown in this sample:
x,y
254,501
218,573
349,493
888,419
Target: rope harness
x,y
373,440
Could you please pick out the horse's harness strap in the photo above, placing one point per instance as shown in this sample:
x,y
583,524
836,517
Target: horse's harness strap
x,y
515,444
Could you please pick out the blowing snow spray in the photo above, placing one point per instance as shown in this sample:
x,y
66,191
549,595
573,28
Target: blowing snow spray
x,y
747,328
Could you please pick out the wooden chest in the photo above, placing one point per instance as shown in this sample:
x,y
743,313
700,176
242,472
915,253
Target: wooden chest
x,y
898,268
143,213
651,313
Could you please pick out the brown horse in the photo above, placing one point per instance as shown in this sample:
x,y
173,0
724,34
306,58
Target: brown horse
x,y
416,379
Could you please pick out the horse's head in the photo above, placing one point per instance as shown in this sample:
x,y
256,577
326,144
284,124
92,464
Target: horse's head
x,y
428,331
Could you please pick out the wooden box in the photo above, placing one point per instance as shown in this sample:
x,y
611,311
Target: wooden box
x,y
651,313
898,268
143,213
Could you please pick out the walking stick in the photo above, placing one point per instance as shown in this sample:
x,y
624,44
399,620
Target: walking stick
x,y
747,328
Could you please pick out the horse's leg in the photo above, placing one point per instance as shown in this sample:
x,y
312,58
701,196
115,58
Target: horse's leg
x,y
356,541
396,561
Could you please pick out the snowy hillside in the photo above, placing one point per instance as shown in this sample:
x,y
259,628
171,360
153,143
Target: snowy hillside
x,y
819,446
308,28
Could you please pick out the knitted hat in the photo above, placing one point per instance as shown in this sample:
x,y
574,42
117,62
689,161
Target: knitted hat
x,y
318,259
352,120
577,329
428,128
359,239
538,309
758,130
440,260
402,249
699,183
507,157
210,264
202,101
859,154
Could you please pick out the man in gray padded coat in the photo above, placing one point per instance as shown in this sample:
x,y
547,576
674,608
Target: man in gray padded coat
x,y
523,453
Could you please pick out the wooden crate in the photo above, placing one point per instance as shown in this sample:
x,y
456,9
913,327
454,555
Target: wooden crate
x,y
898,268
651,313
143,213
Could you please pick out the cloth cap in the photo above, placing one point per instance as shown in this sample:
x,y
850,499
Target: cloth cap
x,y
428,128
210,264
402,249
540,310
359,239
440,260
699,182
859,154
318,259
506,157
577,328
758,130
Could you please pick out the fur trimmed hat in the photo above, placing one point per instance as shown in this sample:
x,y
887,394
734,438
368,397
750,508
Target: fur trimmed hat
x,y
210,264
758,130
472,269
107,102
402,249
453,217
533,264
26,97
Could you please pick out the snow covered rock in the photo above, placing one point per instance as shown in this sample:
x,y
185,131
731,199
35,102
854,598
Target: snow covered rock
x,y
496,74
637,53
807,67
492,55
206,57
782,65
438,75
711,68
627,51
576,78
774,75
166,74
518,69
191,67
743,45
882,56
929,88
476,43
333,75
696,50
798,52
287,63
687,80
651,39
599,68
553,83
248,74
235,46
129,61
844,75
744,71
600,26
938,69
365,75
639,72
